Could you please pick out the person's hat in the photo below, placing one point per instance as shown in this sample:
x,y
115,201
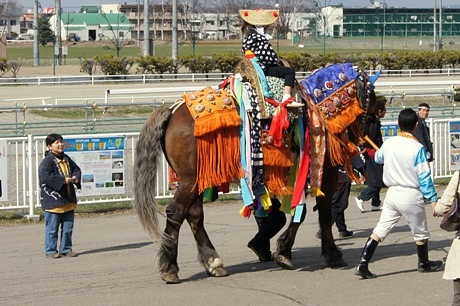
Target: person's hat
x,y
259,17
423,106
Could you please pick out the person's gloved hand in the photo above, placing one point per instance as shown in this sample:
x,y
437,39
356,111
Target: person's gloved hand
x,y
370,152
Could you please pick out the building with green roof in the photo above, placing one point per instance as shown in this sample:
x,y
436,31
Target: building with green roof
x,y
93,26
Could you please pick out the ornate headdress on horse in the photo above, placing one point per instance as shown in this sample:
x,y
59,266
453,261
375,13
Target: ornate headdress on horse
x,y
259,17
333,98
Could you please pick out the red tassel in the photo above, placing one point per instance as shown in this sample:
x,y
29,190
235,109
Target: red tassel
x,y
246,212
279,123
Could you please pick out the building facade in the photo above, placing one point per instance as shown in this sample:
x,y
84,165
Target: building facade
x,y
10,15
400,22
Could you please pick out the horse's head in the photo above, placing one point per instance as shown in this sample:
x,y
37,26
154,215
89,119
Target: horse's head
x,y
367,98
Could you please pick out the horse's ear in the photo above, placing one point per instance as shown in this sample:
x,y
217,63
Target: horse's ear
x,y
373,79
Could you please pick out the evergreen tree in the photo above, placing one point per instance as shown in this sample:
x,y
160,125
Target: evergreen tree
x,y
45,34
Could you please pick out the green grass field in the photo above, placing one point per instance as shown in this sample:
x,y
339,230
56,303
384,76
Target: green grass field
x,y
344,45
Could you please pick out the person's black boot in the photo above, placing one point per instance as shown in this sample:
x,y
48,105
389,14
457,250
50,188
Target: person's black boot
x,y
368,251
425,265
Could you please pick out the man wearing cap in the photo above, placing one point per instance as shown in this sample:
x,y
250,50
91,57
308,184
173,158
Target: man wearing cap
x,y
422,133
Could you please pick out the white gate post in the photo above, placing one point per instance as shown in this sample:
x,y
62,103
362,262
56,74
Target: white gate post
x,y
30,171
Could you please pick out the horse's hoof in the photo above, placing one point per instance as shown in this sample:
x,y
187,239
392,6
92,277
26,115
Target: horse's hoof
x,y
338,264
218,272
283,262
170,278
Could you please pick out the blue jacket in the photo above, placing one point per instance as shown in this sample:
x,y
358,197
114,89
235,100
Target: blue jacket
x,y
53,190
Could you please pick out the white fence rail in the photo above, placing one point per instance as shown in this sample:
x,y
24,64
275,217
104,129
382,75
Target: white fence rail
x,y
25,153
194,77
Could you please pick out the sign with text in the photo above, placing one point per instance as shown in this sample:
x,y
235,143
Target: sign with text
x,y
101,160
454,136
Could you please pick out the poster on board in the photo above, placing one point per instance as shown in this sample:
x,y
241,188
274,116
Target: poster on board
x,y
3,170
389,130
454,136
102,161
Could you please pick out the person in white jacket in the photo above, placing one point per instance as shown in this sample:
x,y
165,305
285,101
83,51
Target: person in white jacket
x,y
407,174
452,268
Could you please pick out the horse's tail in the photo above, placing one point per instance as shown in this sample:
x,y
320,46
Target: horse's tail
x,y
148,150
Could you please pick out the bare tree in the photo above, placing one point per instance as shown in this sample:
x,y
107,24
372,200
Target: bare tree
x,y
192,20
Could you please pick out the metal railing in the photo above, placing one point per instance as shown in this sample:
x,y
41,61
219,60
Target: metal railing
x,y
192,77
25,153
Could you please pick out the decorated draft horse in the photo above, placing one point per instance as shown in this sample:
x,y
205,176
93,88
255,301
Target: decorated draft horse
x,y
237,134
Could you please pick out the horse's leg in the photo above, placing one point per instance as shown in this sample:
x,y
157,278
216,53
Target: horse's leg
x,y
332,255
180,149
176,213
207,254
283,255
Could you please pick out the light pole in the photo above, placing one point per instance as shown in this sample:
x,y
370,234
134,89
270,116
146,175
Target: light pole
x,y
324,32
377,6
383,26
323,16
138,21
36,46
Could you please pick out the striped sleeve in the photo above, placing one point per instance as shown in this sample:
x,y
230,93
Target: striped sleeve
x,y
422,169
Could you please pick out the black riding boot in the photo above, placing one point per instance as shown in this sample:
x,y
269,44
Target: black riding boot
x,y
268,227
425,265
368,251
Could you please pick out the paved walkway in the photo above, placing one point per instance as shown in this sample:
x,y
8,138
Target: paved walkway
x,y
116,266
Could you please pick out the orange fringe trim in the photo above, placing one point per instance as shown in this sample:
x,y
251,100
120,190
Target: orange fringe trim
x,y
338,123
340,155
224,118
277,161
218,158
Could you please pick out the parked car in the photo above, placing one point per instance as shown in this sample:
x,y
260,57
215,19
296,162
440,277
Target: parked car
x,y
73,37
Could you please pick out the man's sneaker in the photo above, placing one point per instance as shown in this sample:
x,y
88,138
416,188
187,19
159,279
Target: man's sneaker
x,y
377,208
429,266
360,204
53,256
345,234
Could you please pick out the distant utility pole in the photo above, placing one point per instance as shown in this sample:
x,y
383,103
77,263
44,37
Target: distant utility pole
x,y
58,52
174,31
146,28
36,49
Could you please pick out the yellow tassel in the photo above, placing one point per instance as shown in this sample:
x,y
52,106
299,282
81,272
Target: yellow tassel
x,y
265,201
315,192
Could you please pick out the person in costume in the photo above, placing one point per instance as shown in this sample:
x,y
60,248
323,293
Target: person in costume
x,y
407,174
256,42
341,195
452,268
58,174
268,226
374,171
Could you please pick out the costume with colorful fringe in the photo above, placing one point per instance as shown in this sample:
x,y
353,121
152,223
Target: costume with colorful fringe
x,y
333,107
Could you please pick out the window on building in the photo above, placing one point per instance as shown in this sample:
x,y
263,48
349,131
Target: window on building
x,y
210,22
121,34
12,22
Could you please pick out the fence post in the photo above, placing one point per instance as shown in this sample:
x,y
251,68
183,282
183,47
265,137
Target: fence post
x,y
30,171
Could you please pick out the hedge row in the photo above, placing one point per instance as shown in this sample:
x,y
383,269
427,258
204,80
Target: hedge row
x,y
226,62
